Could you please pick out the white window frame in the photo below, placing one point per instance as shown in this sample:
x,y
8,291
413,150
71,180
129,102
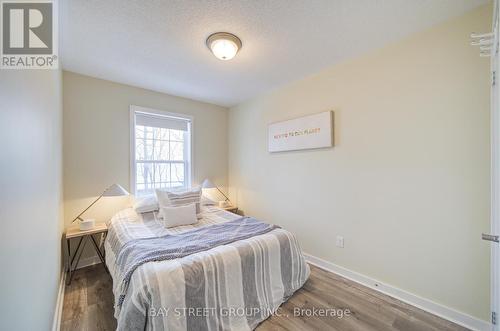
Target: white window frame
x,y
190,119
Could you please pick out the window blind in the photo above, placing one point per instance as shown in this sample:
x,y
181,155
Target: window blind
x,y
161,121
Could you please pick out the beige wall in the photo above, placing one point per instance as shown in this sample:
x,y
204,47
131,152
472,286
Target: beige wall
x,y
97,140
407,183
30,197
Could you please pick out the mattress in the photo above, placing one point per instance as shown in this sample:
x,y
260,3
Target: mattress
x,y
229,287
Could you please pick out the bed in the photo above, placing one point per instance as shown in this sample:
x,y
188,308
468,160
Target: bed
x,y
234,286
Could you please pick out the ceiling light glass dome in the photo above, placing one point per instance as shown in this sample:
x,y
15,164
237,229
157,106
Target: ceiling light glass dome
x,y
224,45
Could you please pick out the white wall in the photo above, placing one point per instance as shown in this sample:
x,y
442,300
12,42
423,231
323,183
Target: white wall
x,y
30,197
97,140
407,183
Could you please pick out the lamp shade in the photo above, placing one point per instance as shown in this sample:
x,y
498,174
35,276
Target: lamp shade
x,y
207,183
115,190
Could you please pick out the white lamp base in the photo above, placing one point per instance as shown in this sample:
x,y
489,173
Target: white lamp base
x,y
224,204
87,224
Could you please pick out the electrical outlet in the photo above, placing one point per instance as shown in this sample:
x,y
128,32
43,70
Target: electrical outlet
x,y
340,241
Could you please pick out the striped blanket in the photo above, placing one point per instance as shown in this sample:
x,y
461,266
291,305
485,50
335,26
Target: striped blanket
x,y
233,286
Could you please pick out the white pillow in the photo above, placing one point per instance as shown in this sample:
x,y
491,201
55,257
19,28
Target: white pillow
x,y
146,204
162,197
176,216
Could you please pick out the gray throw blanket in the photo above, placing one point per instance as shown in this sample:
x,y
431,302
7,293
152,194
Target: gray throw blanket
x,y
137,252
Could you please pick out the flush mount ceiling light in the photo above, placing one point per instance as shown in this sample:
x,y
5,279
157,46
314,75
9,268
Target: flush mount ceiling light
x,y
224,45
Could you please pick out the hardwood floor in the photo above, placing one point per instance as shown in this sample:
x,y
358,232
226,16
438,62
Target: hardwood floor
x,y
88,301
88,305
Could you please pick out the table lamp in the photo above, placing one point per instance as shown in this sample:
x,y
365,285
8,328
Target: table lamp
x,y
207,183
114,190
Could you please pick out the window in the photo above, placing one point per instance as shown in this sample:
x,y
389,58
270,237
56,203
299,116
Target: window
x,y
161,150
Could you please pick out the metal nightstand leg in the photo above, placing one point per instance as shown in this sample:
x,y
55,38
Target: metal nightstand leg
x,y
78,252
99,253
72,259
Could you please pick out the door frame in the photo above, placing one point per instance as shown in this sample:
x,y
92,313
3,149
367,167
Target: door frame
x,y
495,171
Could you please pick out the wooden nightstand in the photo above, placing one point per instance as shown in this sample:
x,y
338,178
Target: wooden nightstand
x,y
232,209
75,232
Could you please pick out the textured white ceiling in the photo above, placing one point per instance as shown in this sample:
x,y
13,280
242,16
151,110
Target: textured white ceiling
x,y
160,45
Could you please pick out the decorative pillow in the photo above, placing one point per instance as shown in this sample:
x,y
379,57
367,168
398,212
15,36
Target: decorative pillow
x,y
146,204
176,216
176,198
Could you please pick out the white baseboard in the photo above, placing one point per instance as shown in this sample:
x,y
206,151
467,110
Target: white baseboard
x,y
56,322
412,299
